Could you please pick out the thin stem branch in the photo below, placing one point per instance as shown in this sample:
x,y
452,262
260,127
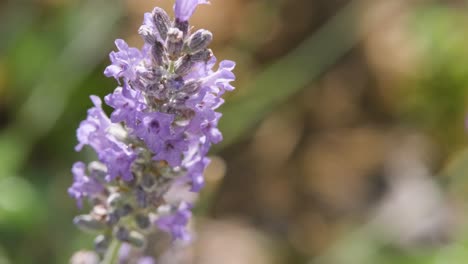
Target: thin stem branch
x,y
112,253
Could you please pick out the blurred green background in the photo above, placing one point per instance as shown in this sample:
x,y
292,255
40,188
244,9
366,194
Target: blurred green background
x,y
344,140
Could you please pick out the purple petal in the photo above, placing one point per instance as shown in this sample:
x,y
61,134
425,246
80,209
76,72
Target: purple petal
x,y
154,128
146,260
126,103
176,223
83,185
184,9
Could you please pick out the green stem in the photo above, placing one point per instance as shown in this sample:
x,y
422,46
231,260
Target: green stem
x,y
112,253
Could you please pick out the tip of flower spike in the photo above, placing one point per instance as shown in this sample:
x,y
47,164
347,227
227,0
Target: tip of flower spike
x,y
197,184
184,9
176,222
96,100
227,64
121,44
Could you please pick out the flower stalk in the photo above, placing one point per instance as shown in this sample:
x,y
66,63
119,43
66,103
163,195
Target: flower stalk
x,y
112,253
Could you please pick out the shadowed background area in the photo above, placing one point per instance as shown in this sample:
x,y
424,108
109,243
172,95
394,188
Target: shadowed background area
x,y
344,139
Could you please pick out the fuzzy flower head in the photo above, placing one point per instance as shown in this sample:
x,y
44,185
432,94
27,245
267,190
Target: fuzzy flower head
x,y
161,126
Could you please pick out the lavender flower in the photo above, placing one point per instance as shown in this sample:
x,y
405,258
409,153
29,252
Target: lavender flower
x,y
162,126
83,185
176,222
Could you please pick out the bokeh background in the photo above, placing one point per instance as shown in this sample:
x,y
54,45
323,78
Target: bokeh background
x,y
344,140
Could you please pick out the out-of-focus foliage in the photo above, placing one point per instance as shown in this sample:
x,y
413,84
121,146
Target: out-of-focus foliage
x,y
437,94
322,96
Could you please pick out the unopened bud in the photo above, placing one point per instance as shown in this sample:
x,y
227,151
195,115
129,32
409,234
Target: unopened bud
x,y
184,65
174,42
136,239
148,182
115,199
151,76
199,40
142,221
124,210
97,170
202,55
121,233
173,84
168,108
161,21
101,243
88,223
157,50
147,34
112,218
182,25
180,98
141,197
191,87
99,210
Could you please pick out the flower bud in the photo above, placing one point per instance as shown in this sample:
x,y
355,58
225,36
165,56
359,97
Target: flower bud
x,y
147,34
115,200
168,108
181,97
142,221
191,87
121,233
178,101
141,197
101,243
112,218
147,182
202,55
124,210
136,239
99,210
182,25
199,40
161,21
174,43
88,223
184,65
157,51
150,76
97,170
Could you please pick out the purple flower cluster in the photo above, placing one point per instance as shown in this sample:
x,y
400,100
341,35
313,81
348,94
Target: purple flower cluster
x,y
162,126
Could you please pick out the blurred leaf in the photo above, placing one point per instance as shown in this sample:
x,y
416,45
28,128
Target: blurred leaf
x,y
453,254
29,58
3,257
18,203
455,174
87,48
54,86
15,18
295,71
435,98
12,153
357,247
